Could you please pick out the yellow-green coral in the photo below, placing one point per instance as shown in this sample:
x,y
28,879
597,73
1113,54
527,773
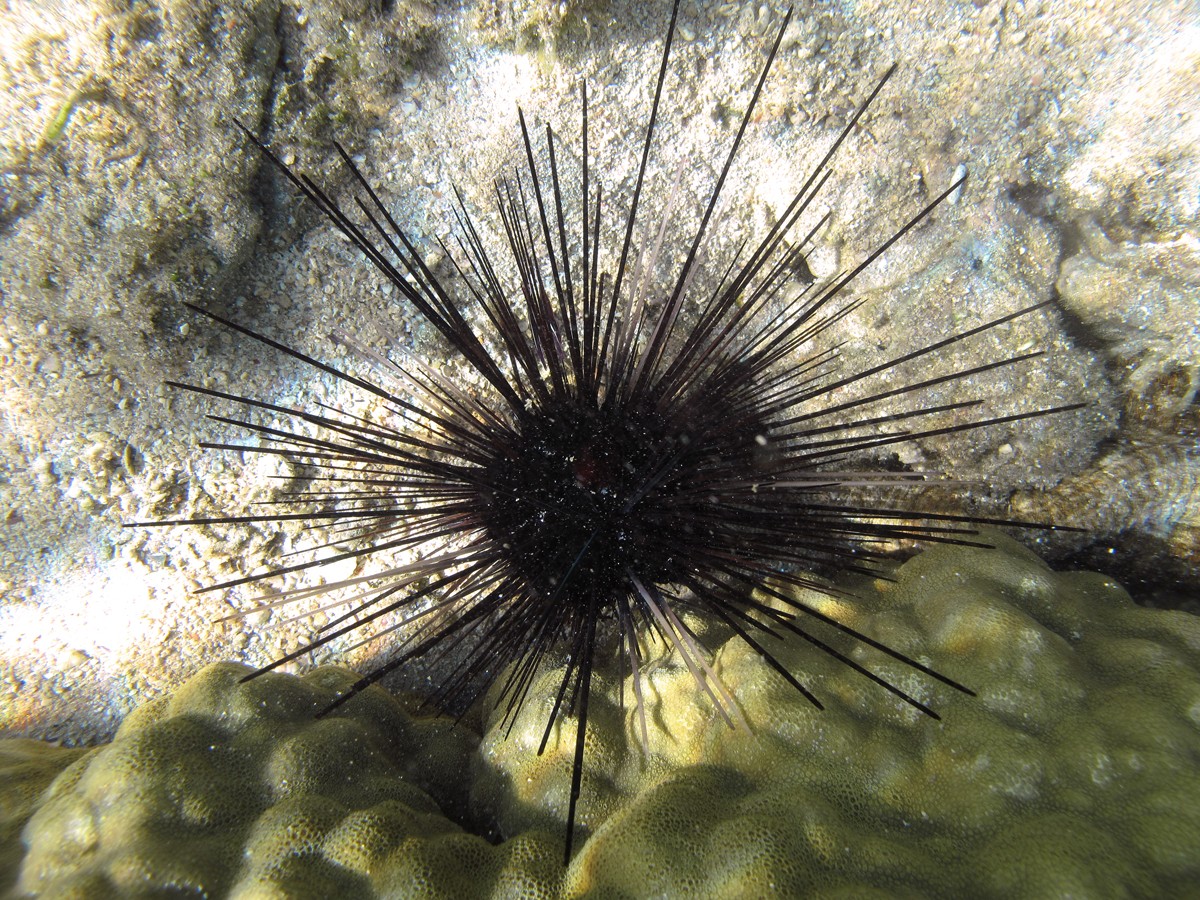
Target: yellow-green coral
x,y
26,768
1075,772
237,788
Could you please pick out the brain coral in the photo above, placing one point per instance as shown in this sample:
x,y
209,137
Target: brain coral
x,y
1073,773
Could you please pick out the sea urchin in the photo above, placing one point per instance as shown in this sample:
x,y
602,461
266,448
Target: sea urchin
x,y
632,450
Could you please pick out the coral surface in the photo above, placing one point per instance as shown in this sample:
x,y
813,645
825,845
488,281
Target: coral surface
x,y
26,768
1074,772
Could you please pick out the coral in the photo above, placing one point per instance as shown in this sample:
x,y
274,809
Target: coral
x,y
1073,772
229,788
26,768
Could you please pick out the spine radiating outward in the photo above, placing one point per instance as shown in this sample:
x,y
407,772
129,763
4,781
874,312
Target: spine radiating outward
x,y
632,450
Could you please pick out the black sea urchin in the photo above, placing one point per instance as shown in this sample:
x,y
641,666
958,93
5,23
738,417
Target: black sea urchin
x,y
628,453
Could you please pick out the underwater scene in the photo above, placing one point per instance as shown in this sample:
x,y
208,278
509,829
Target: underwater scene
x,y
595,448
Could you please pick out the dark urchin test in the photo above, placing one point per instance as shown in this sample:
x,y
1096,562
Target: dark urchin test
x,y
633,450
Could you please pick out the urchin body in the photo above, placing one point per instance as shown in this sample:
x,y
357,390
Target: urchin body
x,y
582,494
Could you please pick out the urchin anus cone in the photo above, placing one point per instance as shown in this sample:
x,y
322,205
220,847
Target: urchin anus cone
x,y
629,448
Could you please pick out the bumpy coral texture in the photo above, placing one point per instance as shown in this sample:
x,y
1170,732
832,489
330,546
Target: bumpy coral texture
x,y
26,768
229,788
1075,772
